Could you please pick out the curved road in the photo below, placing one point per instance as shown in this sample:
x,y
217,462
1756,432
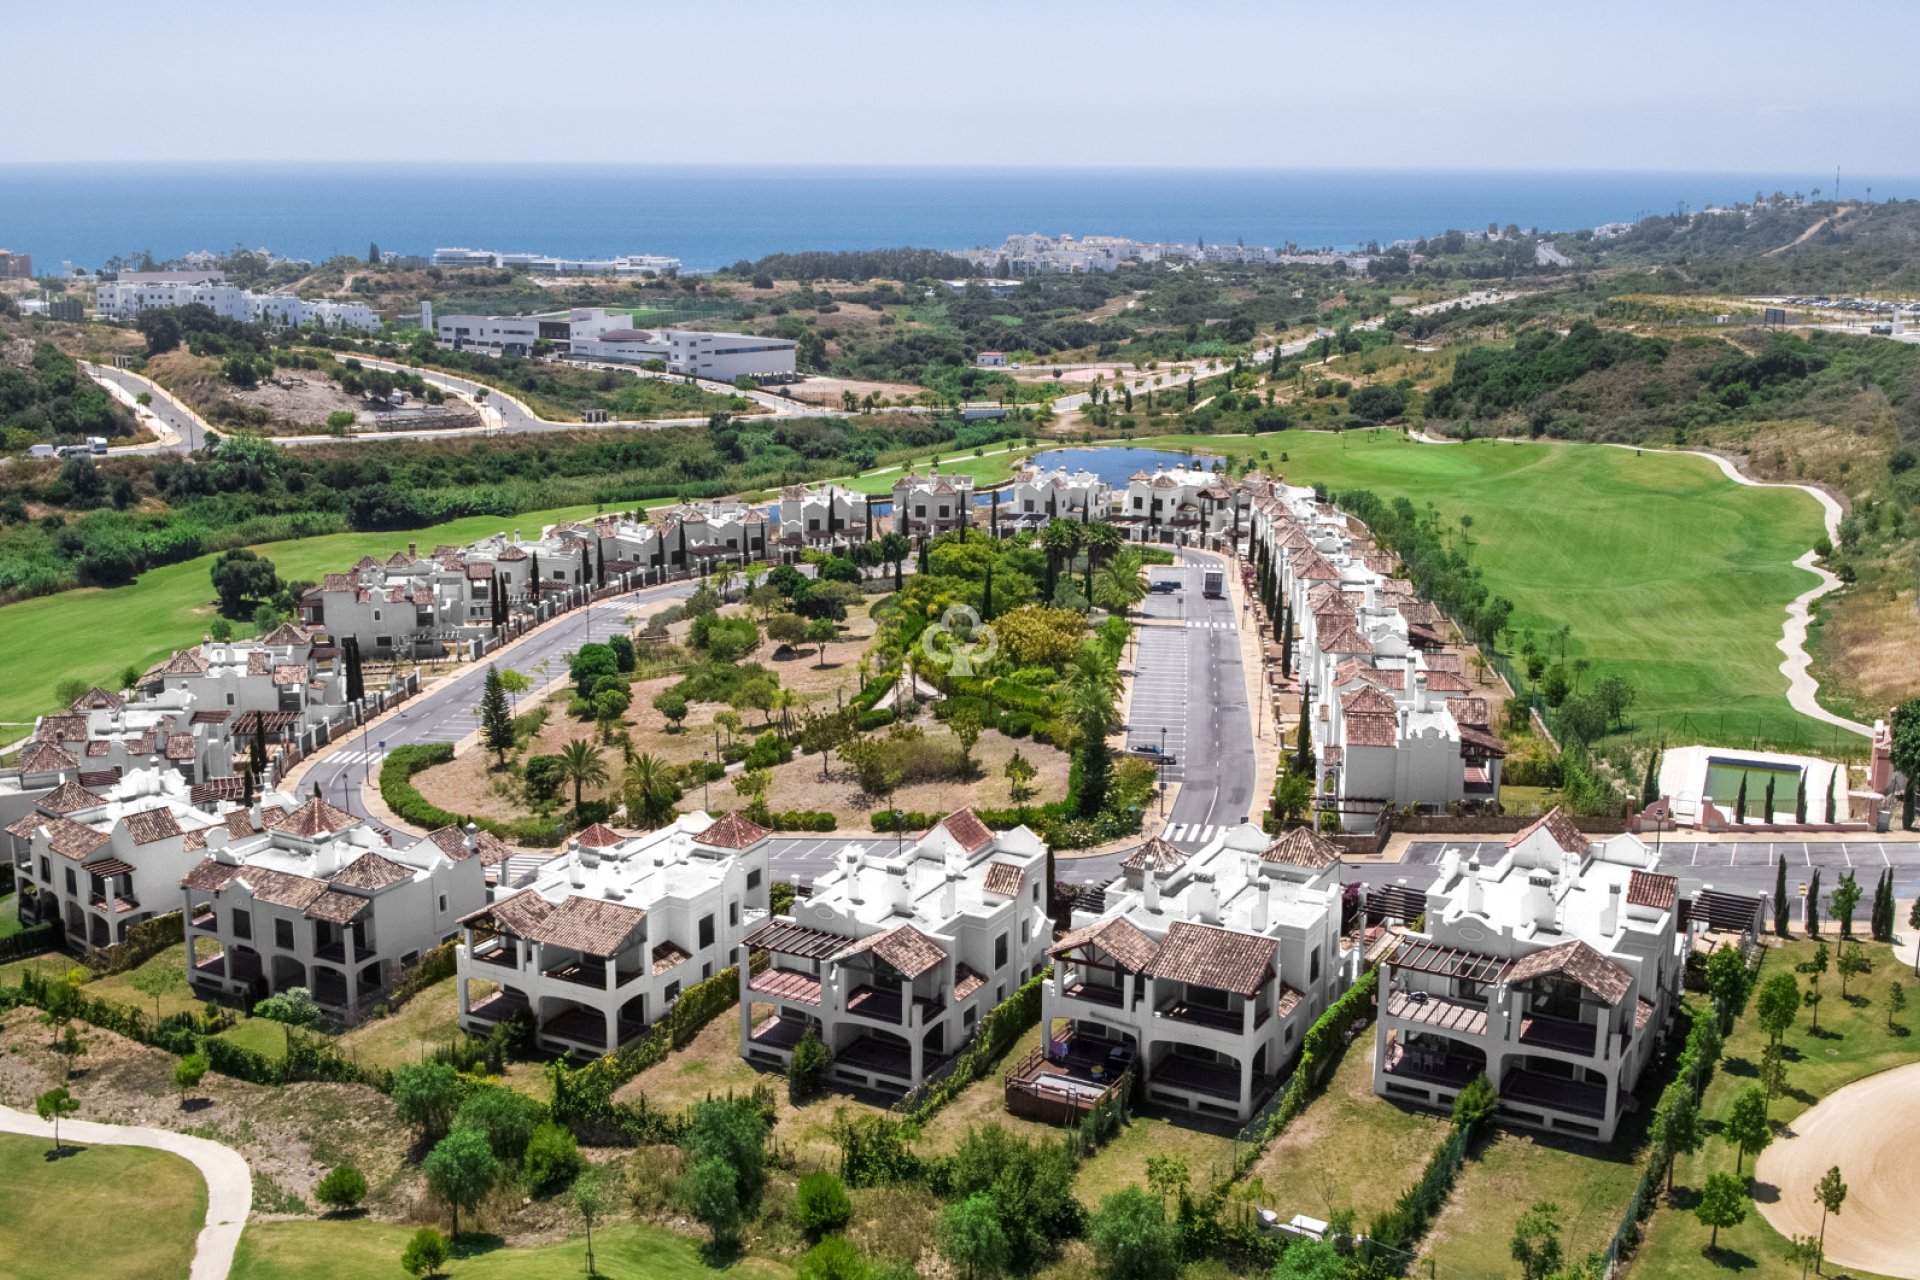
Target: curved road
x,y
229,1182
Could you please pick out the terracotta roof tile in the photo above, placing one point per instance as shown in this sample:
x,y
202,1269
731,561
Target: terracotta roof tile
x,y
1117,936
1004,878
592,926
1579,962
1344,637
519,915
150,825
967,830
70,839
282,888
966,981
214,789
904,947
1559,828
1368,699
1163,855
97,699
336,907
1651,889
1302,847
1371,730
1468,711
209,875
452,841
734,831
61,729
599,836
667,954
371,871
181,746
69,797
1223,959
314,818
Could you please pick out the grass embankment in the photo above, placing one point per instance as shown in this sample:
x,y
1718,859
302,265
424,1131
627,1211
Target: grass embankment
x,y
1669,574
325,1249
1854,1041
56,1216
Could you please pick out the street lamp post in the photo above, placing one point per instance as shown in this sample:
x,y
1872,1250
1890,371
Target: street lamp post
x,y
706,798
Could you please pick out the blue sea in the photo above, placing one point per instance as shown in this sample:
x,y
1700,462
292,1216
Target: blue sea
x,y
711,216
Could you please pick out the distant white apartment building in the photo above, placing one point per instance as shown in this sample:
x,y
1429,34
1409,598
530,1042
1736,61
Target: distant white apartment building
x,y
309,896
925,506
1203,971
696,353
632,264
899,952
135,292
1038,495
1552,972
605,940
1183,504
823,516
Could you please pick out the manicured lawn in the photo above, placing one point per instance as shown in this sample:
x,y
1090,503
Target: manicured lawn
x,y
1123,1162
984,1102
58,1217
1348,1150
1670,575
166,608
262,1035
322,1250
426,1022
1854,1042
9,914
119,987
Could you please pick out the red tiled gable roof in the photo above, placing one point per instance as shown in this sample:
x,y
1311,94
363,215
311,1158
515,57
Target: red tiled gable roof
x,y
734,831
519,915
150,825
1444,662
69,797
1469,711
290,673
258,663
1158,853
214,789
1344,637
282,888
452,841
97,699
599,836
58,729
1302,847
1559,828
180,746
512,555
46,757
1004,879
1579,962
286,635
1311,566
239,824
209,875
1651,889
1351,669
314,818
22,828
336,582
371,871
1117,936
187,662
1367,699
193,841
99,747
93,779
904,947
966,981
1223,959
336,907
1448,682
477,572
967,830
70,839
591,926
1371,730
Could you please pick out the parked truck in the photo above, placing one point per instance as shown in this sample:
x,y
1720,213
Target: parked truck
x,y
1214,583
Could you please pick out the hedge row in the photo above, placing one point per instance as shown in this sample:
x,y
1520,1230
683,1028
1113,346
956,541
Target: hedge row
x,y
408,805
144,941
437,965
1320,1050
35,939
1005,1023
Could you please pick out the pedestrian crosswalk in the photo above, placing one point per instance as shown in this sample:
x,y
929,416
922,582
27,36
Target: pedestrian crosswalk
x,y
1211,624
1192,832
358,755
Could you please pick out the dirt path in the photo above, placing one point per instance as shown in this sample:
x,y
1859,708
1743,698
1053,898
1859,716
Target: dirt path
x,y
229,1182
1871,1131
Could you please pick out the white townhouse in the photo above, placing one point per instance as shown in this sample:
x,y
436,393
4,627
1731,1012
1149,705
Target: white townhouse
x,y
689,537
929,505
823,516
274,673
139,291
1181,504
611,932
1202,971
1551,972
1036,496
310,896
103,860
899,952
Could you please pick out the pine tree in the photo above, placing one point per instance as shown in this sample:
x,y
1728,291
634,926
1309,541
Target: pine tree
x,y
1780,898
496,722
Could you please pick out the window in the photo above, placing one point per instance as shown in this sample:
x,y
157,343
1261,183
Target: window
x,y
1313,965
73,886
706,970
1000,951
46,872
229,699
376,615
753,878
733,915
283,934
920,510
242,924
673,992
1026,932
706,931
443,902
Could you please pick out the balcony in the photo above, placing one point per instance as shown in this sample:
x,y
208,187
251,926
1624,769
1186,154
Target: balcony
x,y
790,985
1202,1015
1555,1093
1213,1079
1431,1066
1537,1031
497,1007
887,1005
1094,993
584,972
495,953
778,1035
1455,1016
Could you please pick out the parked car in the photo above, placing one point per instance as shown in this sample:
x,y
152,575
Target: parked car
x,y
1164,585
1147,751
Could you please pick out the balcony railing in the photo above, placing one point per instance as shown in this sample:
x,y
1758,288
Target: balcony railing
x,y
496,953
1543,1032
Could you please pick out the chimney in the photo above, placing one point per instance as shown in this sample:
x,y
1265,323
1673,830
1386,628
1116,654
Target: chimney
x,y
471,840
1610,914
1539,902
1262,899
1420,691
1151,887
851,862
950,895
413,551
1476,899
576,874
1204,898
901,891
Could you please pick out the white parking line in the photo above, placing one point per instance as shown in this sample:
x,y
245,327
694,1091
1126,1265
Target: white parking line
x,y
1846,854
1885,861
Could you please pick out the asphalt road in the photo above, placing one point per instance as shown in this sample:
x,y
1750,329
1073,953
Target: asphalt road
x,y
187,426
446,713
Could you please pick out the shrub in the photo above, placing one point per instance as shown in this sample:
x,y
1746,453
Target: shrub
x,y
343,1188
821,1205
427,1094
807,1069
553,1158
425,1254
507,1117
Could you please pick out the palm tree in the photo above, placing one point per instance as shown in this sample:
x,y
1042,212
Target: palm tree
x,y
724,576
1060,540
1101,541
1122,583
784,701
582,764
1093,687
650,794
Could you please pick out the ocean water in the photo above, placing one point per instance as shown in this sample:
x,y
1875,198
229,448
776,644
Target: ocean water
x,y
711,216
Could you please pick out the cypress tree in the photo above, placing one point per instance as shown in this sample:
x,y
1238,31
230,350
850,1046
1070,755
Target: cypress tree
x,y
1650,786
1767,814
1813,905
1831,779
1800,802
496,722
986,596
1780,898
1740,801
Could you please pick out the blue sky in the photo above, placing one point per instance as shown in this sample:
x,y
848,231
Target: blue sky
x,y
1762,86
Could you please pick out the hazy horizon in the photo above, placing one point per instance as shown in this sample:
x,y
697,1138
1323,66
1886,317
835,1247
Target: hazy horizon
x,y
1378,85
